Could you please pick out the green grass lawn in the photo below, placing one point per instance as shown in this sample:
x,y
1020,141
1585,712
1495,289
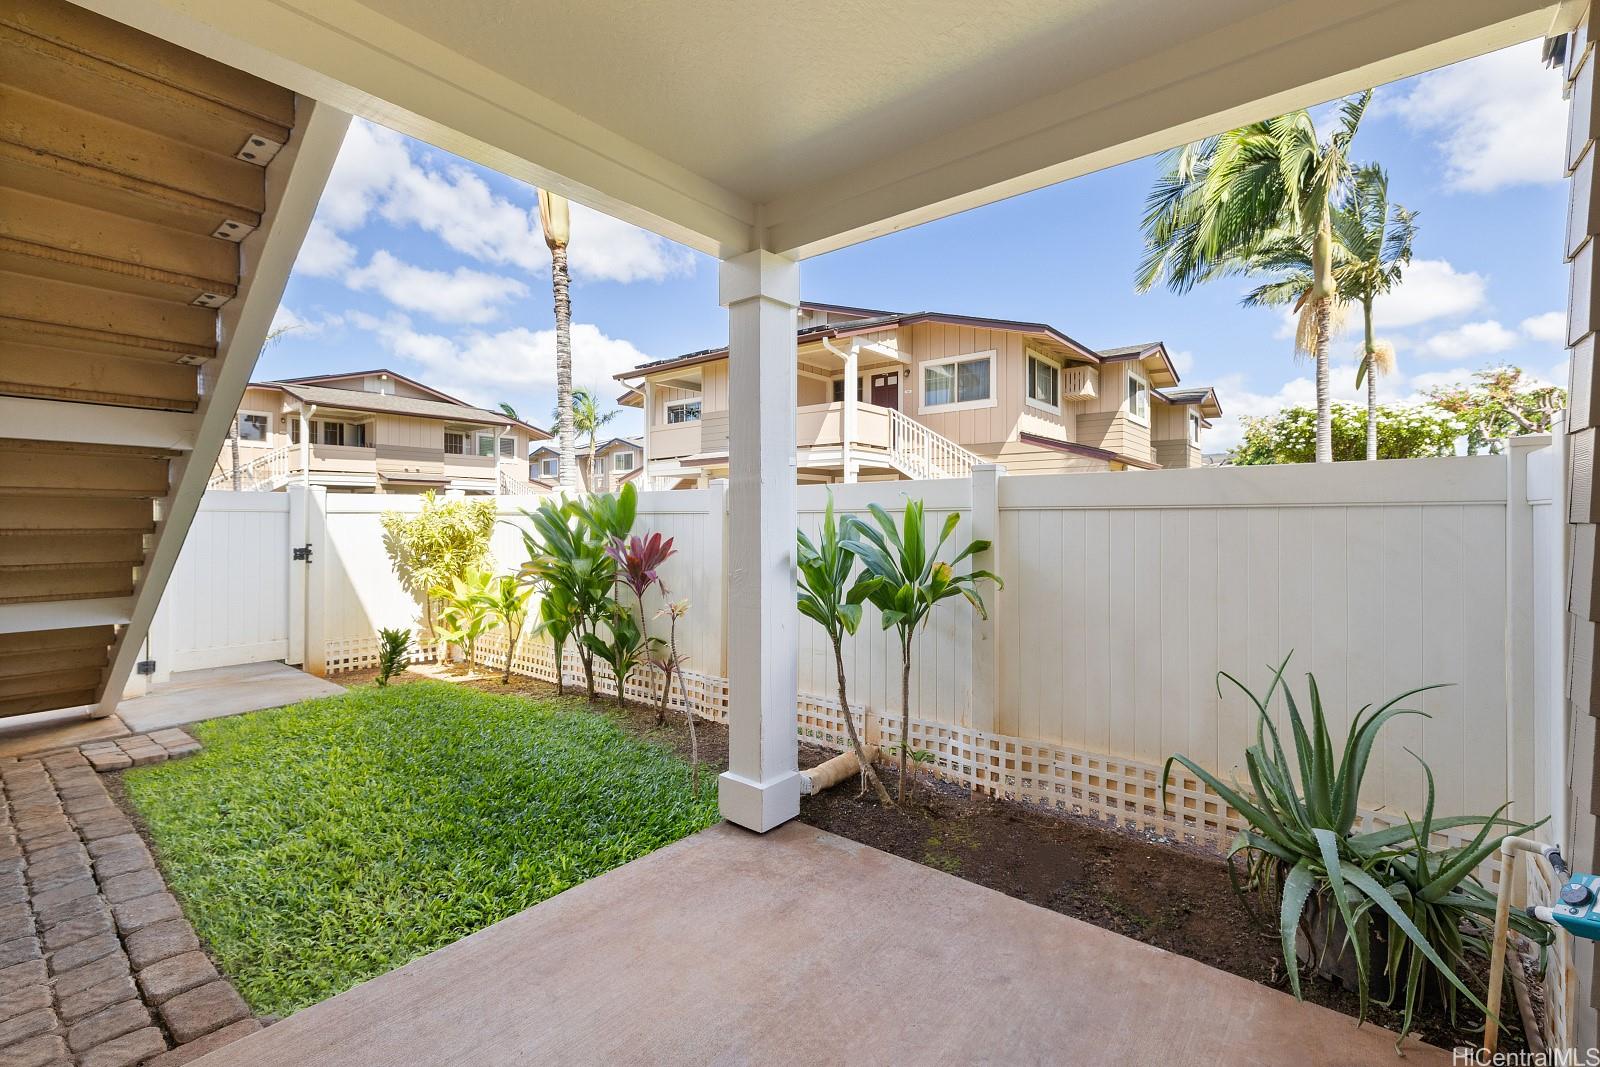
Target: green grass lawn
x,y
318,845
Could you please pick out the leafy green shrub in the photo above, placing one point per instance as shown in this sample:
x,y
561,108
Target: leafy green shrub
x,y
1387,891
1403,433
437,545
393,654
465,616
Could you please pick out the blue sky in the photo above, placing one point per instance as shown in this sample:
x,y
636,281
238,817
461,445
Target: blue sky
x,y
435,267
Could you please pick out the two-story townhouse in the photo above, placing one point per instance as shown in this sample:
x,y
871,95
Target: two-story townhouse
x,y
933,394
374,432
615,461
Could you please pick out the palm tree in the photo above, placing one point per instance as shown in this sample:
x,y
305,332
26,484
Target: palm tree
x,y
1376,236
554,216
1372,246
587,418
1220,201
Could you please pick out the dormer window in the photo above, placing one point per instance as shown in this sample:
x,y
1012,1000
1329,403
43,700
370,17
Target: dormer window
x,y
1138,398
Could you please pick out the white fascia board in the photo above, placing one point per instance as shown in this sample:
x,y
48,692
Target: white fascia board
x,y
1299,54
344,54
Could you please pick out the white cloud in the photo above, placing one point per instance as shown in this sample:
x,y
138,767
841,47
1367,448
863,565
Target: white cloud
x,y
487,366
1551,327
324,254
1468,340
1183,362
1499,119
1430,289
461,295
377,172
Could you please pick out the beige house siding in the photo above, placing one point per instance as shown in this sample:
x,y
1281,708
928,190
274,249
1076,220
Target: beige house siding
x,y
1178,454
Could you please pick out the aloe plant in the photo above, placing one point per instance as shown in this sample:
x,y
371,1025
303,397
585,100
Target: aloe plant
x,y
1302,842
910,581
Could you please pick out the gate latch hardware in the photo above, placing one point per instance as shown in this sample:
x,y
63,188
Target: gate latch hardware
x,y
146,666
303,555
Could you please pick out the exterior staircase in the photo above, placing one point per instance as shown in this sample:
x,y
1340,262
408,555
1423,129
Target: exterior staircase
x,y
151,204
918,452
263,474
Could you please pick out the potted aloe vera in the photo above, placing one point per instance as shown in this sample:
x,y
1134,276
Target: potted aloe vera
x,y
1382,910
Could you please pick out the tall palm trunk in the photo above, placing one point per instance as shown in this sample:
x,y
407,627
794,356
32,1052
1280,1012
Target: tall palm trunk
x,y
1322,297
233,442
560,282
1372,382
868,772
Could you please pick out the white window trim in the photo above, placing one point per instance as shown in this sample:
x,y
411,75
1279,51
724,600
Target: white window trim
x,y
924,408
1027,382
1127,401
478,438
549,468
508,439
618,457
1194,428
238,427
465,437
666,411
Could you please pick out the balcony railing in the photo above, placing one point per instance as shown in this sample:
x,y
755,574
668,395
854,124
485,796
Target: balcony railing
x,y
921,453
264,473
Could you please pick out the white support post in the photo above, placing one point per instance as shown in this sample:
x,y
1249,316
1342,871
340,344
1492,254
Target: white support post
x,y
306,411
648,390
848,422
316,626
985,674
1520,609
761,788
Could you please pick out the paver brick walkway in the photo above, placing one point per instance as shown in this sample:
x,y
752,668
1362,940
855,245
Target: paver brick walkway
x,y
98,966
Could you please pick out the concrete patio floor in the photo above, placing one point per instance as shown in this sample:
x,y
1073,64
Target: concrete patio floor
x,y
804,947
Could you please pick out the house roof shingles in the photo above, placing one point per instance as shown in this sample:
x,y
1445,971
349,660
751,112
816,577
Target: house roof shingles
x,y
387,403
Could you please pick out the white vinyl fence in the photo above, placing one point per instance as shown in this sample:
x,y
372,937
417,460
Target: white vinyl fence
x,y
1125,595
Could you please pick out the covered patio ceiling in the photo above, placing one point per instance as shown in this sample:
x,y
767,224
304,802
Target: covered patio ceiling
x,y
804,128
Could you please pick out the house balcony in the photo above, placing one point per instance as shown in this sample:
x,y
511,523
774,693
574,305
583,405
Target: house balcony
x,y
884,442
374,468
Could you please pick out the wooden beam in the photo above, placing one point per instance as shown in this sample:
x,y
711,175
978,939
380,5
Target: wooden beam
x,y
28,618
49,420
48,373
30,298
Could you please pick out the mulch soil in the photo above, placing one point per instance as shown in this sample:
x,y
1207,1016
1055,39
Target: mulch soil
x,y
1178,899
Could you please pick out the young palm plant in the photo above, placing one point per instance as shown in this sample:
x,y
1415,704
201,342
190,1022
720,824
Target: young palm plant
x,y
506,601
570,566
911,580
464,618
1218,200
624,646
1302,846
828,596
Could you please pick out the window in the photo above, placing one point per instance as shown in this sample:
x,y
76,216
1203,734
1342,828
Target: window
x,y
486,444
508,447
623,461
1044,383
1194,427
683,411
356,435
294,430
333,433
1138,397
838,390
962,382
551,468
455,444
252,427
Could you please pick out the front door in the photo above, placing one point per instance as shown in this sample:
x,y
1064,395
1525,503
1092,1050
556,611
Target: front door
x,y
886,390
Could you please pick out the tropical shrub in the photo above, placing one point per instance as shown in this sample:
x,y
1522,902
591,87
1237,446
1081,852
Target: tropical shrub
x,y
1387,896
1499,404
463,618
392,653
623,646
910,581
639,560
670,663
829,597
505,600
438,544
1403,433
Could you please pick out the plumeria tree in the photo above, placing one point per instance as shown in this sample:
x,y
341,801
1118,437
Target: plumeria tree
x,y
1499,403
1403,432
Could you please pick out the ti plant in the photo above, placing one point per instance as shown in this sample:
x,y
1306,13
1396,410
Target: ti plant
x,y
505,600
393,657
639,561
1382,893
829,597
623,648
670,663
567,560
910,580
463,618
